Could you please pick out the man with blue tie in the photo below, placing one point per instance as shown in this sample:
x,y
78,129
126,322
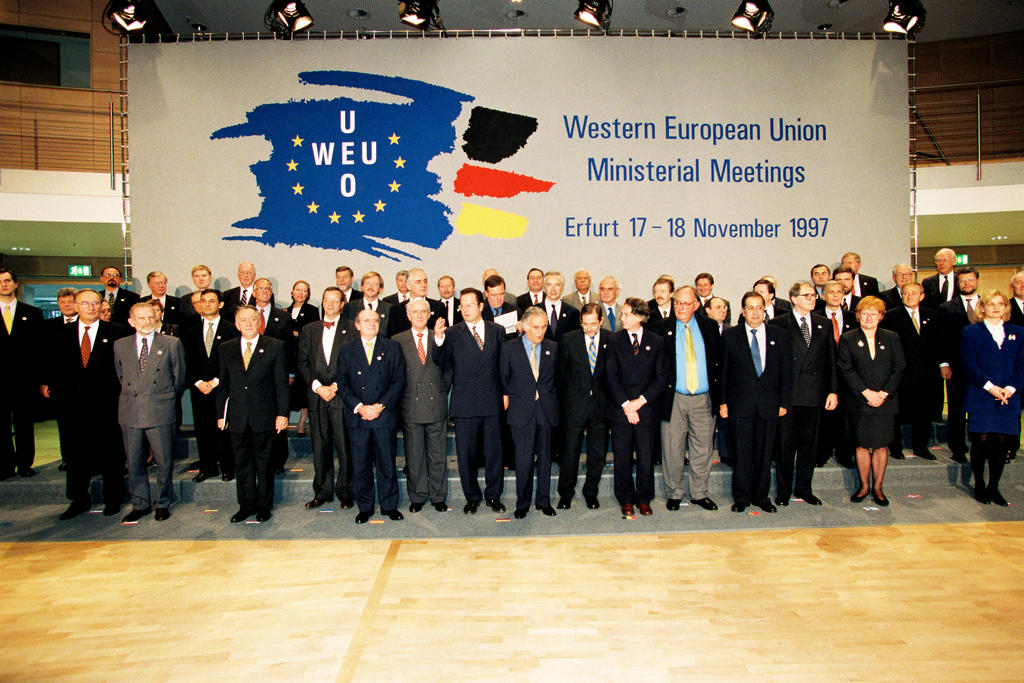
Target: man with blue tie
x,y
756,379
688,407
608,292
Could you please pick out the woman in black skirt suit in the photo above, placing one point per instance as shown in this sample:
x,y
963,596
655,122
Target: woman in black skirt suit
x,y
871,361
302,313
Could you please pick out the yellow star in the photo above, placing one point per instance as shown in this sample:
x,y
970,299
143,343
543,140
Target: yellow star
x,y
358,216
393,139
334,217
394,186
312,206
380,205
399,162
296,141
292,165
297,188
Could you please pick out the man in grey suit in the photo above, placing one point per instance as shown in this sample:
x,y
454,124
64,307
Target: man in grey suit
x,y
424,412
582,296
608,290
151,369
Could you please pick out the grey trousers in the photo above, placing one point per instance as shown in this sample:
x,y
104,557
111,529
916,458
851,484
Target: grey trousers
x,y
425,459
691,427
161,443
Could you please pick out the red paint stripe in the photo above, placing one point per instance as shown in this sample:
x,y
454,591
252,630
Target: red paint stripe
x,y
490,182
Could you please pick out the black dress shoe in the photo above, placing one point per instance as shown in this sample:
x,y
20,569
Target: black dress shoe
x,y
783,501
194,465
264,516
471,506
981,495
897,455
547,510
925,455
73,511
441,507
880,499
136,515
959,457
227,477
111,509
415,507
316,502
672,504
62,467
240,516
26,472
564,503
705,503
810,499
201,477
520,513
347,503
767,506
858,497
363,517
162,514
393,515
8,475
279,470
996,497
739,507
496,505
593,503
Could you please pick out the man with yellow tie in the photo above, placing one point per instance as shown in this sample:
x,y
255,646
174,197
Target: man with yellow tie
x,y
19,346
691,401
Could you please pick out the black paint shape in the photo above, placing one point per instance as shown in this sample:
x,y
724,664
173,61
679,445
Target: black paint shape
x,y
495,135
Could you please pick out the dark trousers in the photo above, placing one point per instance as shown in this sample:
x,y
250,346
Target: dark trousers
x,y
533,440
214,445
626,438
725,453
835,436
479,438
798,451
920,434
990,448
20,453
278,450
373,449
956,423
254,475
329,437
597,452
752,440
103,454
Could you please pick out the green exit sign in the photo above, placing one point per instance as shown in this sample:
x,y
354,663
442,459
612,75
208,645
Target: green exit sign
x,y
79,270
962,260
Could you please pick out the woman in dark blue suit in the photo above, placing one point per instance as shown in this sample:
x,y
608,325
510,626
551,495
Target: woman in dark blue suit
x,y
993,356
302,312
871,361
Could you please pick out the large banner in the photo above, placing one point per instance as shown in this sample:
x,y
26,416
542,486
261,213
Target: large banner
x,y
626,156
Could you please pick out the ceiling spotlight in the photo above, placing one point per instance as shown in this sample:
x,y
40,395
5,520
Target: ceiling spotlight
x,y
126,15
596,13
285,17
905,16
754,16
419,13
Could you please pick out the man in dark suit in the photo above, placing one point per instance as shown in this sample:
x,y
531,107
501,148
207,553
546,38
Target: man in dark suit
x,y
202,343
424,412
773,307
119,298
371,377
902,275
582,361
253,396
343,276
756,386
941,287
814,392
820,274
920,384
637,375
954,315
243,293
401,288
21,336
473,350
319,346
528,369
273,322
716,309
834,425
449,300
704,284
562,318
534,296
496,305
1016,305
863,285
151,370
81,380
202,279
661,305
172,311
690,402
370,283
844,275
418,284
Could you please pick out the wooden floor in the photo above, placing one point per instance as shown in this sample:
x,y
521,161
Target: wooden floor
x,y
912,602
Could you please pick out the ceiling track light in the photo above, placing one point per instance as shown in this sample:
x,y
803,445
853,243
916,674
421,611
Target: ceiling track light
x,y
754,16
124,16
595,13
285,17
905,16
421,14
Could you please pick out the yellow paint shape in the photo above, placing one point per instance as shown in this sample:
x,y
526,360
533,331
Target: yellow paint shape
x,y
480,220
